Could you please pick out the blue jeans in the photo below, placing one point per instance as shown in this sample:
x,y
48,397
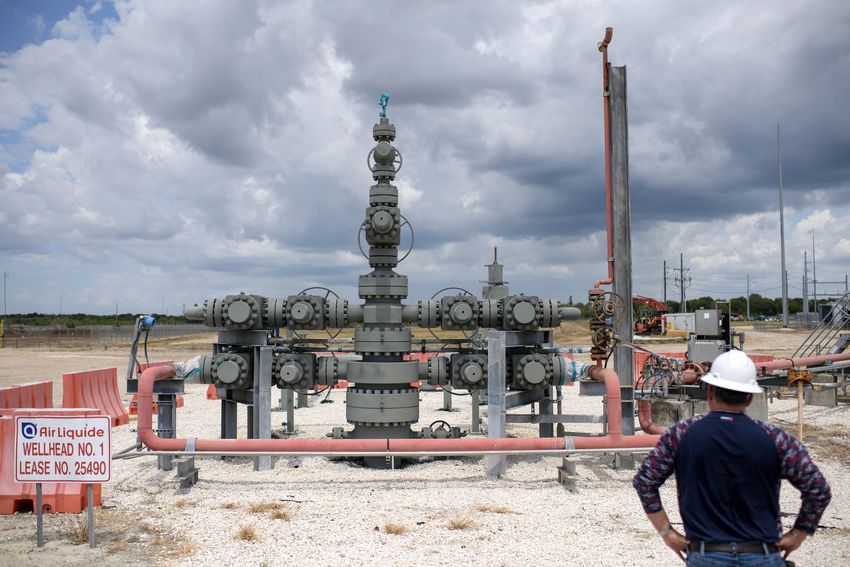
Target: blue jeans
x,y
723,559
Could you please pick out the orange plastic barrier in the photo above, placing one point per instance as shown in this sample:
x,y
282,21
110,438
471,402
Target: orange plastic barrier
x,y
95,389
133,408
211,393
29,395
62,497
419,357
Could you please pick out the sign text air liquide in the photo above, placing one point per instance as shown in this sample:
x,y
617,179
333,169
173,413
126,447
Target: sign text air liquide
x,y
62,449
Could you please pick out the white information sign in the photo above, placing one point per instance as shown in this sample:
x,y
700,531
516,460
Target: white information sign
x,y
63,449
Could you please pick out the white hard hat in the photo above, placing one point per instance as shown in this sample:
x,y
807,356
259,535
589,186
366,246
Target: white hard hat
x,y
733,370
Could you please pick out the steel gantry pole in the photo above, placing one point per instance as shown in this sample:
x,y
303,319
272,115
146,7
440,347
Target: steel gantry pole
x,y
782,231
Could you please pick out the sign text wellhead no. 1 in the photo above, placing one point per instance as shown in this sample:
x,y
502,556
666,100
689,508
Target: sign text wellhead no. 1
x,y
62,449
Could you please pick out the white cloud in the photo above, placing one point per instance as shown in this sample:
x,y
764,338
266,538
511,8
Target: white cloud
x,y
185,152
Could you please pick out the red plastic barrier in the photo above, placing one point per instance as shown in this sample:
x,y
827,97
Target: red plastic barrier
x,y
29,395
211,393
95,389
62,497
419,357
133,408
10,397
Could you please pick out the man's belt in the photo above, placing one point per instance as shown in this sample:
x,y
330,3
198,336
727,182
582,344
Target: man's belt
x,y
742,547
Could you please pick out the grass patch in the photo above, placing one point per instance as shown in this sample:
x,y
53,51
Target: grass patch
x,y
461,523
78,529
147,528
182,549
395,529
181,503
247,533
229,506
487,509
282,514
116,547
265,507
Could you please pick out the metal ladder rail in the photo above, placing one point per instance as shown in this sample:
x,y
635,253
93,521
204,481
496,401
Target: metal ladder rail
x,y
828,329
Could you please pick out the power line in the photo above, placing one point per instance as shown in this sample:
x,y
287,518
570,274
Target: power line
x,y
682,281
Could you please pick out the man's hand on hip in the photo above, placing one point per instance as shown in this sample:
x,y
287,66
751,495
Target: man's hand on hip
x,y
791,541
677,542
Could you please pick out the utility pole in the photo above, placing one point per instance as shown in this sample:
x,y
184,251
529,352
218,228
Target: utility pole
x,y
5,311
664,277
748,296
60,304
815,278
805,286
682,281
782,232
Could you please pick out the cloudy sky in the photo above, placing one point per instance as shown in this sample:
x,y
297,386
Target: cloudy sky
x,y
157,153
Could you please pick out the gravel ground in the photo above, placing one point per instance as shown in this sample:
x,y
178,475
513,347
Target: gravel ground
x,y
313,511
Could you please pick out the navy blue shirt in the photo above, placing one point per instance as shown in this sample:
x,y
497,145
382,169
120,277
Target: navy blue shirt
x,y
728,470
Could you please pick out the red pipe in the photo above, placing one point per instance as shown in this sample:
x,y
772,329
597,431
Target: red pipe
x,y
645,419
614,439
606,117
783,363
612,391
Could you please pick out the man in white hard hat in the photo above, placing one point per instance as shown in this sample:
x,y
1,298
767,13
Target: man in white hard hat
x,y
728,470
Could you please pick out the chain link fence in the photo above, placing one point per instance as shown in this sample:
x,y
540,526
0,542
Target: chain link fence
x,y
20,336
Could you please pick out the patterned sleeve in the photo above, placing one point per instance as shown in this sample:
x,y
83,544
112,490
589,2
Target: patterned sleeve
x,y
659,464
801,472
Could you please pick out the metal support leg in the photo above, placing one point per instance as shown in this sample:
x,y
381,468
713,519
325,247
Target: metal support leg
x,y
261,418
476,411
545,405
290,410
249,421
496,465
228,419
447,398
90,504
166,424
39,520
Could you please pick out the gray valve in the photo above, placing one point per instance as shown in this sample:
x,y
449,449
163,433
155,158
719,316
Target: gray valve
x,y
459,312
469,371
531,371
230,370
295,371
239,312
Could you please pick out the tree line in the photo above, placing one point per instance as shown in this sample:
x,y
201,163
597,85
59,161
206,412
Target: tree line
x,y
74,320
760,306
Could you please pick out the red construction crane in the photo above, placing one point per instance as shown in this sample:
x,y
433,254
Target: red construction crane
x,y
646,322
